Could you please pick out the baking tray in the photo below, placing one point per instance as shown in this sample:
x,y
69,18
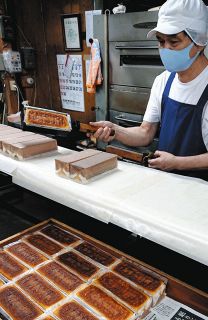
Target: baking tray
x,y
175,289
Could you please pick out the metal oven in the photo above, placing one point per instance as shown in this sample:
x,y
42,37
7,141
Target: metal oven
x,y
134,62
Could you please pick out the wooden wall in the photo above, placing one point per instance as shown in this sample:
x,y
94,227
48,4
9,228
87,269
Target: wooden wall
x,y
40,24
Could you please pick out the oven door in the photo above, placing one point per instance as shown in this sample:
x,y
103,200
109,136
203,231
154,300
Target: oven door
x,y
134,63
128,99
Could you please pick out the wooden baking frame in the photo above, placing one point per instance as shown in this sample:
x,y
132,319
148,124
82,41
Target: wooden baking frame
x,y
176,289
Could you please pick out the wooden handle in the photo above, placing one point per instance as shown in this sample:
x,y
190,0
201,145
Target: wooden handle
x,y
84,127
131,155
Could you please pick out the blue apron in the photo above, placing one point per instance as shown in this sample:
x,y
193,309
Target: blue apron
x,y
181,129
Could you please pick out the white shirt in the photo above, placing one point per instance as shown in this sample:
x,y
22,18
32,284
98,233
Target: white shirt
x,y
189,93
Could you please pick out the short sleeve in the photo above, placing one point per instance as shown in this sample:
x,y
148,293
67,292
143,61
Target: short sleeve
x,y
153,110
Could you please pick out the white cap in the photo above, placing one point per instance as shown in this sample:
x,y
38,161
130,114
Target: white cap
x,y
183,15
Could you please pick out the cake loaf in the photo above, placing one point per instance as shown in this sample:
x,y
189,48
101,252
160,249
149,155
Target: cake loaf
x,y
149,283
81,266
73,311
29,148
40,290
87,168
59,235
10,267
7,142
129,294
63,164
26,253
95,253
44,244
104,303
47,118
17,305
60,276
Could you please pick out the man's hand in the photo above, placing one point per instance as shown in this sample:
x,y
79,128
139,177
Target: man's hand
x,y
104,131
163,161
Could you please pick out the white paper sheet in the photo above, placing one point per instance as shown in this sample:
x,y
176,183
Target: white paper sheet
x,y
168,209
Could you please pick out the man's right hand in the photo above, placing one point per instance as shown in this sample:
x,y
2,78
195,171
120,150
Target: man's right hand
x,y
105,131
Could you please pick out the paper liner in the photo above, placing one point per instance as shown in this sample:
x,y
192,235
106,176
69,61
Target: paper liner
x,y
3,315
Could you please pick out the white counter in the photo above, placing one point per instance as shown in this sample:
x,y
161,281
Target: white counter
x,y
168,209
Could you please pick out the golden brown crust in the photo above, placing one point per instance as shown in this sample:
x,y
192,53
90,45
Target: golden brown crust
x,y
46,118
27,254
104,303
72,310
40,290
134,273
123,290
63,278
17,305
44,244
10,267
83,267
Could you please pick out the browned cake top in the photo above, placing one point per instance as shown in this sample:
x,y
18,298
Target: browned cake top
x,y
77,263
104,303
40,290
9,266
75,156
48,318
27,254
50,119
94,160
63,278
122,289
95,253
1,283
59,235
72,310
44,244
17,305
139,277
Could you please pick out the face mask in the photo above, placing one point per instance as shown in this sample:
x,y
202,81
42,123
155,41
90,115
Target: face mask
x,y
177,60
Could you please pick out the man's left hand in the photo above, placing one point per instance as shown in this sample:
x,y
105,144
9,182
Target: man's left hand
x,y
163,161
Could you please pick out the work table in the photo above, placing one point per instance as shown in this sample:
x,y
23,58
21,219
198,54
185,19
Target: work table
x,y
168,209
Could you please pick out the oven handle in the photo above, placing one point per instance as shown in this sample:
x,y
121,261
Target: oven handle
x,y
120,118
135,47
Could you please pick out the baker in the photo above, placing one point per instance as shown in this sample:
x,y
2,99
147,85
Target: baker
x,y
179,96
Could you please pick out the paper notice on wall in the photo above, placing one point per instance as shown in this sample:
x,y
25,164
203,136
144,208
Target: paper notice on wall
x,y
89,24
169,309
71,81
